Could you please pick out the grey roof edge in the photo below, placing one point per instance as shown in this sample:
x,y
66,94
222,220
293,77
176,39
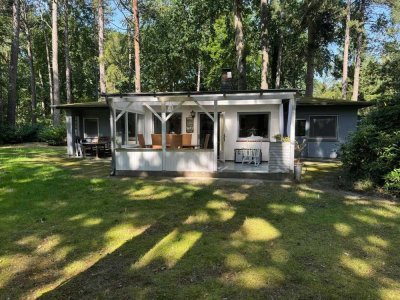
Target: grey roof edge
x,y
315,101
87,105
194,93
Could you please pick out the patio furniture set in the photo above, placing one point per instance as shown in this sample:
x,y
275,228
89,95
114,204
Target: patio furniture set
x,y
174,141
94,146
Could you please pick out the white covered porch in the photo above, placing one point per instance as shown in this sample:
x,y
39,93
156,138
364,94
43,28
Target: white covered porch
x,y
221,112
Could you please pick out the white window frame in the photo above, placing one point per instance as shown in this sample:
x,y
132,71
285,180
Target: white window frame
x,y
252,113
324,137
84,126
125,116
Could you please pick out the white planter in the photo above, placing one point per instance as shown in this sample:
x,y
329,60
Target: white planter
x,y
298,169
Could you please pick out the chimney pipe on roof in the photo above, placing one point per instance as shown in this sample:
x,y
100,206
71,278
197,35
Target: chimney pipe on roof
x,y
226,79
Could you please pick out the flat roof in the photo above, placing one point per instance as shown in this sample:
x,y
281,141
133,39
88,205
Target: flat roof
x,y
88,105
303,101
199,93
314,101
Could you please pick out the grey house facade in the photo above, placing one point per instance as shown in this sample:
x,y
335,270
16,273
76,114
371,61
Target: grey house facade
x,y
325,124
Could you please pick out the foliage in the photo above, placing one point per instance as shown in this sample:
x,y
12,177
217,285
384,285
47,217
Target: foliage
x,y
373,151
179,38
53,135
392,181
20,134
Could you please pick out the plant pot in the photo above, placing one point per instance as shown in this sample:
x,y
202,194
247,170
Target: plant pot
x,y
333,155
298,169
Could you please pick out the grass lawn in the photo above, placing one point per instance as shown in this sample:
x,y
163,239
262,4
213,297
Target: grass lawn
x,y
68,231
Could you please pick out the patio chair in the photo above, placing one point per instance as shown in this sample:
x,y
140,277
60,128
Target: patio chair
x,y
186,139
78,146
174,141
142,142
247,156
206,141
252,153
256,148
106,147
156,141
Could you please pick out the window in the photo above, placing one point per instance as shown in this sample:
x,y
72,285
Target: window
x,y
91,127
131,127
323,127
76,126
300,127
128,126
256,124
174,124
120,129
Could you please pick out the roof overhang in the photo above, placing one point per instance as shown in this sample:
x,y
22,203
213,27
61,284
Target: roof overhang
x,y
331,102
84,105
203,96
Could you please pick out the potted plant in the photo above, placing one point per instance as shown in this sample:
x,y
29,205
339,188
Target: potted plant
x,y
334,152
298,165
278,137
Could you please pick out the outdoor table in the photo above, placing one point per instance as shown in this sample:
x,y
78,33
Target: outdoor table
x,y
91,145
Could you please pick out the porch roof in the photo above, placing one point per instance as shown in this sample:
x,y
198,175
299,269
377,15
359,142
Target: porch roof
x,y
184,96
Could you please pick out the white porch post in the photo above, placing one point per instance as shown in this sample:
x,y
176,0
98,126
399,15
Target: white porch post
x,y
215,136
281,120
163,135
292,130
113,134
126,128
70,133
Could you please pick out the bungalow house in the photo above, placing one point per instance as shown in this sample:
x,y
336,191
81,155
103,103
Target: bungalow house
x,y
220,133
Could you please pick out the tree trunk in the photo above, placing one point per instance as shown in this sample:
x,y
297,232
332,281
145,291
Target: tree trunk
x,y
43,102
29,49
279,62
54,48
346,51
68,71
130,65
310,59
1,99
359,50
102,68
50,73
278,74
199,76
239,44
264,44
136,45
13,67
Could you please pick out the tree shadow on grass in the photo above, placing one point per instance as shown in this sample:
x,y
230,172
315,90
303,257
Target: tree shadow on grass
x,y
114,238
295,244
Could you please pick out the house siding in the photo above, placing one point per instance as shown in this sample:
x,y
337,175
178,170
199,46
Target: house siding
x,y
347,123
103,115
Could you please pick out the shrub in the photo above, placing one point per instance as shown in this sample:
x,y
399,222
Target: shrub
x,y
53,135
19,134
392,182
373,151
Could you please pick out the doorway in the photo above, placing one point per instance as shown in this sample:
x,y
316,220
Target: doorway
x,y
206,126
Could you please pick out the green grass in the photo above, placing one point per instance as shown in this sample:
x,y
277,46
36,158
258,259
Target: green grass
x,y
67,230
